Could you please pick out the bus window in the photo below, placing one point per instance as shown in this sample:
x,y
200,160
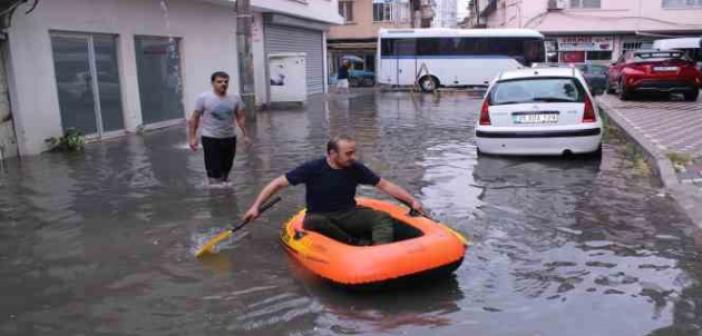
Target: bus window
x,y
428,46
398,47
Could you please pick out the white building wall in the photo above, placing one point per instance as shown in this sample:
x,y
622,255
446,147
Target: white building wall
x,y
208,44
319,10
613,16
445,14
207,29
258,49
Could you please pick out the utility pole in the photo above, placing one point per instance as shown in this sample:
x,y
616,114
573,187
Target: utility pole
x,y
244,19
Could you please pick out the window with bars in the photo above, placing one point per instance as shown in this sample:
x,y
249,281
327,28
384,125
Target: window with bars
x,y
634,45
382,12
682,3
346,10
585,4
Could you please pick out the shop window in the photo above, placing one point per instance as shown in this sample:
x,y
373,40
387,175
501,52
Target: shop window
x,y
634,45
599,55
572,57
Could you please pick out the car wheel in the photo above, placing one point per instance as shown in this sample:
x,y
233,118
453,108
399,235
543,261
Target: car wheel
x,y
428,83
368,82
353,82
692,96
624,94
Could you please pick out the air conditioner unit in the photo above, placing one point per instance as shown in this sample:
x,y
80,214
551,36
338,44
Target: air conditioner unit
x,y
556,5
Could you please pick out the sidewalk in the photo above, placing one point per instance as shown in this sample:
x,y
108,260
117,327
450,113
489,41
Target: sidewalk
x,y
670,132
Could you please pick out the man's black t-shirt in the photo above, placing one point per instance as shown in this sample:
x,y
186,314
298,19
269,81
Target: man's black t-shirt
x,y
330,189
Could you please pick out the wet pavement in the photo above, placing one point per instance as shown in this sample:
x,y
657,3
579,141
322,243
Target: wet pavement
x,y
102,242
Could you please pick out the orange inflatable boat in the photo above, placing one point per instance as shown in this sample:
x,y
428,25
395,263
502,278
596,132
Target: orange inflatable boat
x,y
421,247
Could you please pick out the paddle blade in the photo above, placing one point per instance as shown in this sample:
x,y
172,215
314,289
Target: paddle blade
x,y
211,245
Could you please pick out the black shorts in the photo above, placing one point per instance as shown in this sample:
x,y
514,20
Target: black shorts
x,y
219,156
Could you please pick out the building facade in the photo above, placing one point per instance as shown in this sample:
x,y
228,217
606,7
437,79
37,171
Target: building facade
x,y
446,14
359,33
597,31
107,67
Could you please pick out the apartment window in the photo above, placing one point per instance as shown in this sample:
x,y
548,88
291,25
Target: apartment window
x,y
585,3
682,3
346,10
382,12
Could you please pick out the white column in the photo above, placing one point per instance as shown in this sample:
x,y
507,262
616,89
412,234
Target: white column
x,y
129,80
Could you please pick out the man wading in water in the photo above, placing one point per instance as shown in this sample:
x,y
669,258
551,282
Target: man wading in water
x,y
331,184
218,111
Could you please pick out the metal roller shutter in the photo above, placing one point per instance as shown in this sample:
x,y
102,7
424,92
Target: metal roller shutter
x,y
293,39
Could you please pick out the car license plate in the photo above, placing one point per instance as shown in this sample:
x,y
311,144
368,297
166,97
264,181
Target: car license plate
x,y
668,68
535,118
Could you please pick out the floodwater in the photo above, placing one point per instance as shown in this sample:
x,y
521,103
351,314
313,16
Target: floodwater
x,y
102,242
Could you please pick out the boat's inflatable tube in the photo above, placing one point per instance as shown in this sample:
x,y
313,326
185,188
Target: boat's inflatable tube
x,y
432,246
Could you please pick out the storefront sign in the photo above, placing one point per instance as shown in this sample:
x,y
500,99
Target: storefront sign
x,y
585,43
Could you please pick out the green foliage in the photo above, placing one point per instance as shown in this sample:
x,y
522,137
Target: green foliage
x,y
680,160
638,162
71,141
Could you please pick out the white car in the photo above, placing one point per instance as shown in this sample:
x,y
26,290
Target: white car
x,y
539,111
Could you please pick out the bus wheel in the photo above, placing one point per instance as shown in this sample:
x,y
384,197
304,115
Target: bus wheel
x,y
428,83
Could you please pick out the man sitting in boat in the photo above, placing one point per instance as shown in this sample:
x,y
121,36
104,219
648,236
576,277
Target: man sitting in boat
x,y
331,183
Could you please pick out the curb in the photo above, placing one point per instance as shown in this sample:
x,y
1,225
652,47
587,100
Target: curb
x,y
688,198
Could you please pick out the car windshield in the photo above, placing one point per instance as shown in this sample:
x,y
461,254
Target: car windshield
x,y
536,90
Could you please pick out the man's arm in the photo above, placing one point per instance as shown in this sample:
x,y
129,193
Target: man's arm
x,y
193,124
399,193
269,190
241,121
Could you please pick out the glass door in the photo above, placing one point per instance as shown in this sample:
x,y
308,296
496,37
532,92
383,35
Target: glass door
x,y
88,82
158,71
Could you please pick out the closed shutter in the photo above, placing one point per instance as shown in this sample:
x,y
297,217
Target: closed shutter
x,y
293,39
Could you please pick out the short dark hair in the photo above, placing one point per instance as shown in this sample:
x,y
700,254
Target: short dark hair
x,y
218,74
333,143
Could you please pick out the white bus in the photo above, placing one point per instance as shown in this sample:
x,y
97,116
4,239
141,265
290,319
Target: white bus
x,y
454,57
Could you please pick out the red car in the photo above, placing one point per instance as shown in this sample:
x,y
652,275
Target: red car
x,y
659,71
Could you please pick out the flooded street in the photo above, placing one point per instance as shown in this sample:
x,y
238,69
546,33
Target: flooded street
x,y
102,242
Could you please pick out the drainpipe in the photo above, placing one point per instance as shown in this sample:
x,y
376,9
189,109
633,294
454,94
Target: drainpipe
x,y
244,19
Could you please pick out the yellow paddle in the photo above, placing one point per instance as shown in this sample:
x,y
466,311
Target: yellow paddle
x,y
209,247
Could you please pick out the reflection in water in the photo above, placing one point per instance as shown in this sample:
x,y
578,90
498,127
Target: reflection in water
x,y
102,242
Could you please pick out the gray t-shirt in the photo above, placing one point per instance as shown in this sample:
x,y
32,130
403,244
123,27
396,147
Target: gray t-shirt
x,y
217,114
